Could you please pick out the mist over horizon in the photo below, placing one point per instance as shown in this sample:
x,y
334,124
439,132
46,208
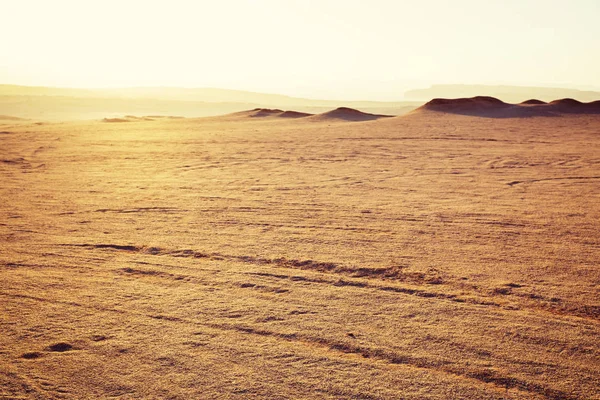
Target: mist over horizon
x,y
338,50
51,103
386,94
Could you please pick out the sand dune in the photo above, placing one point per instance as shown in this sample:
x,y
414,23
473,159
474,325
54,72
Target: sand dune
x,y
128,118
533,101
338,114
294,114
503,92
572,106
133,118
10,118
116,120
491,107
567,102
347,114
266,113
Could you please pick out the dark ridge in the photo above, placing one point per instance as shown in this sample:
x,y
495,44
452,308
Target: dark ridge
x,y
269,112
258,113
480,106
478,100
490,107
294,114
115,120
593,107
134,118
567,102
265,112
534,101
572,106
348,114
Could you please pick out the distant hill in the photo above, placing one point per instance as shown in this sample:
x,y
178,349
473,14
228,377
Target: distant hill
x,y
491,107
338,114
269,113
10,118
347,114
69,103
511,94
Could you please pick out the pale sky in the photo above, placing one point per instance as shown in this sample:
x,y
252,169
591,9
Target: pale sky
x,y
321,49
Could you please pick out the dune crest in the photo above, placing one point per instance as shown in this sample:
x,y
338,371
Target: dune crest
x,y
269,113
491,107
566,102
294,114
265,112
347,114
338,114
533,101
479,101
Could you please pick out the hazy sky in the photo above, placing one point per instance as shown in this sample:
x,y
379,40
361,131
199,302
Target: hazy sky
x,y
328,48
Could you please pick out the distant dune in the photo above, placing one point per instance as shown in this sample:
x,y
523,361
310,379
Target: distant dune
x,y
133,118
265,112
533,101
491,107
511,94
572,106
567,102
116,120
338,114
127,118
164,116
268,113
66,104
294,114
473,102
10,118
347,114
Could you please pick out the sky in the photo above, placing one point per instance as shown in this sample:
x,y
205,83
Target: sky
x,y
337,49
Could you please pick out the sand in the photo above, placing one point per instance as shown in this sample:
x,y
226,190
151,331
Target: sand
x,y
428,256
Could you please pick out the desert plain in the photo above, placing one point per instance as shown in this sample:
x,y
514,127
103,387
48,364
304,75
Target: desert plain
x,y
271,255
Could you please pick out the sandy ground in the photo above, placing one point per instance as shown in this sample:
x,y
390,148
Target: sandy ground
x,y
427,256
